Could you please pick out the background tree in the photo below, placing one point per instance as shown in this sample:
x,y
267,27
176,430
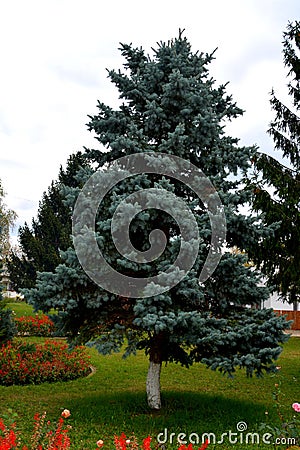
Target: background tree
x,y
170,105
277,186
7,218
40,245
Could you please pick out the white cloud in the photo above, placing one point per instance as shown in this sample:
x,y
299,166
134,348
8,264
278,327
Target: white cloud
x,y
53,60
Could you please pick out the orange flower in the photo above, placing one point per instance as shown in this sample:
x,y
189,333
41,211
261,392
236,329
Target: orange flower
x,y
65,414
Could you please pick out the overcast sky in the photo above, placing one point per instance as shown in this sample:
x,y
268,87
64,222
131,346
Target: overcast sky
x,y
53,59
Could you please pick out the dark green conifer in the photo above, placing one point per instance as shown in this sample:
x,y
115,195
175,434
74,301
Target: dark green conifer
x,y
277,185
40,245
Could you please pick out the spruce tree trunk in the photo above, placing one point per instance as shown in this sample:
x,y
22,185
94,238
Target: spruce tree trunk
x,y
153,377
153,385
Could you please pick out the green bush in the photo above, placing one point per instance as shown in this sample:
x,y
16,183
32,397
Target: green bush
x,y
7,324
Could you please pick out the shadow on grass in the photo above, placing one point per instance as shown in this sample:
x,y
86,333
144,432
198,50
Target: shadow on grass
x,y
181,412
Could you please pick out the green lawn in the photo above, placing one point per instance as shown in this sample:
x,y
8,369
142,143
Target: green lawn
x,y
21,309
195,400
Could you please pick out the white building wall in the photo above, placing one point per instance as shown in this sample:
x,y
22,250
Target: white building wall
x,y
275,303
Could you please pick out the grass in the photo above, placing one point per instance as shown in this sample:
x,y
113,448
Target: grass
x,y
20,309
195,400
113,399
23,309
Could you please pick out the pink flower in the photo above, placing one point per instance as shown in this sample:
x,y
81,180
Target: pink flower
x,y
296,407
65,414
99,443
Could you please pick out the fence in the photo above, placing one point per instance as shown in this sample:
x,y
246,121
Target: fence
x,y
291,315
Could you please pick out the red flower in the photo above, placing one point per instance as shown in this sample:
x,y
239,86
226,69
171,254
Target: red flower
x,y
190,447
120,442
147,443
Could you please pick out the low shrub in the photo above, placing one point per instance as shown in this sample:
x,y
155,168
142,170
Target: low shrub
x,y
7,325
22,363
38,325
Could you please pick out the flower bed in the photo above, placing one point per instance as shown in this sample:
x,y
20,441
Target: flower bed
x,y
38,325
22,363
44,437
47,437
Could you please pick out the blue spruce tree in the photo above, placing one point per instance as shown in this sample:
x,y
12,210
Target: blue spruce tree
x,y
150,222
